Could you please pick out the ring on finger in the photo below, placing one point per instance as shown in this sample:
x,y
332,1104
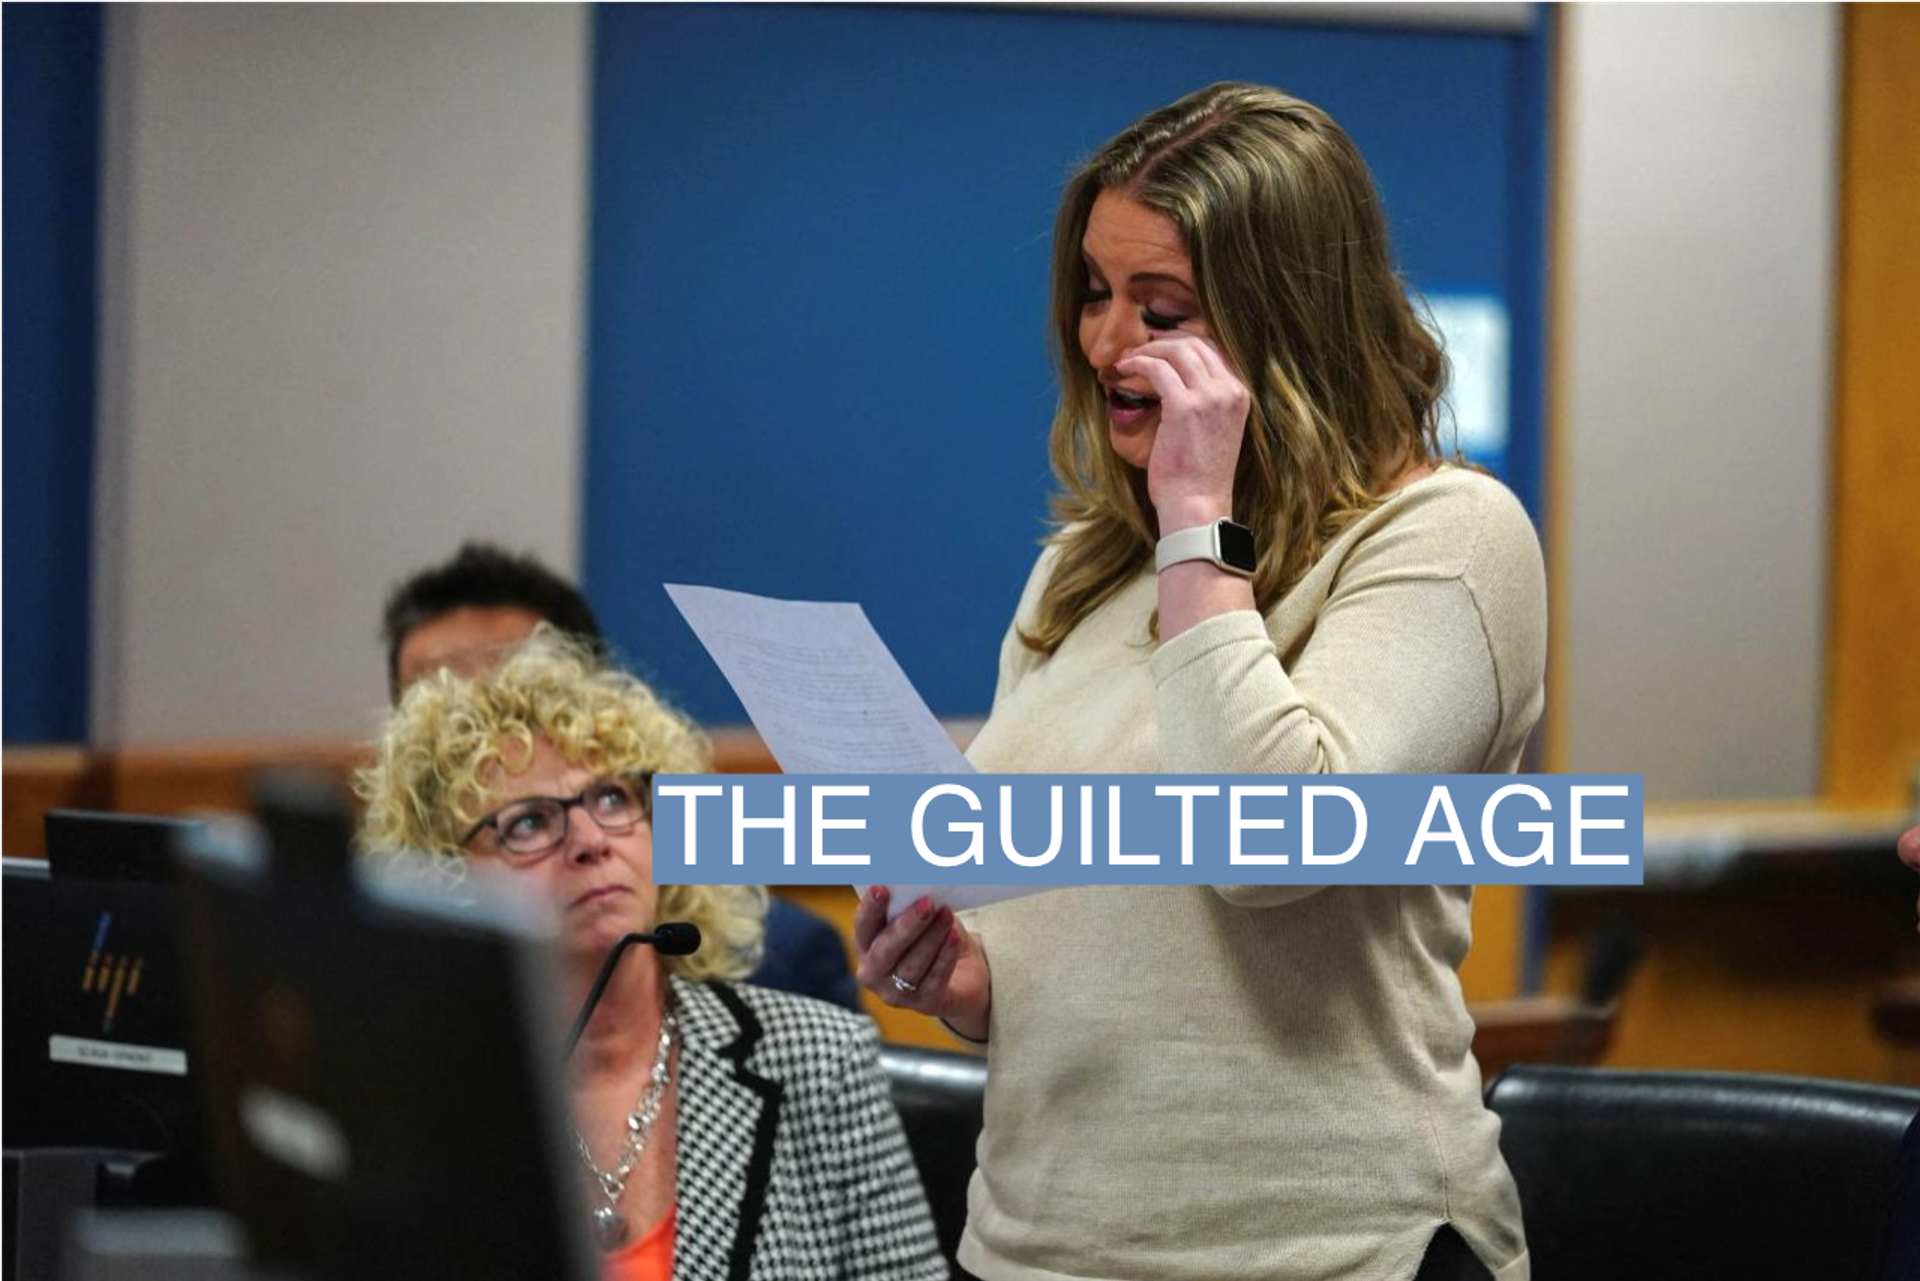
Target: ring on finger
x,y
902,985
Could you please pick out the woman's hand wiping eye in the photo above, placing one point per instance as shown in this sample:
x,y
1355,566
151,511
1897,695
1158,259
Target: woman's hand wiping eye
x,y
1203,418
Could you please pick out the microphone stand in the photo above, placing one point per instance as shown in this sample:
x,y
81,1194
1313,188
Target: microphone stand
x,y
670,937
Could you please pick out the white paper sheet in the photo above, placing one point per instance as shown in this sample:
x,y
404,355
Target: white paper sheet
x,y
957,897
819,684
828,697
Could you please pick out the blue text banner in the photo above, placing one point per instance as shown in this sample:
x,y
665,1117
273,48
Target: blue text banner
x,y
1146,829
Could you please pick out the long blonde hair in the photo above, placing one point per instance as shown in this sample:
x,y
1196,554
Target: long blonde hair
x,y
425,790
1295,278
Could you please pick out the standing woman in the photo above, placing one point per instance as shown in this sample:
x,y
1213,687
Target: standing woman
x,y
1240,1081
723,1130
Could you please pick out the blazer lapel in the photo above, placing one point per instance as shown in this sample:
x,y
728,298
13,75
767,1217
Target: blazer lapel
x,y
728,1114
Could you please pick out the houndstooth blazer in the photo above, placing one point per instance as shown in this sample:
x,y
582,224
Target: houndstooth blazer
x,y
792,1162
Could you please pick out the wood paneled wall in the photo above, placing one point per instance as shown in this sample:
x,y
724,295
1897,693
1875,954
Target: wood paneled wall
x,y
1873,697
1790,983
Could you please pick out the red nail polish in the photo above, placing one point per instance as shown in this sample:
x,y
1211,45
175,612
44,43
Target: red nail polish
x,y
924,907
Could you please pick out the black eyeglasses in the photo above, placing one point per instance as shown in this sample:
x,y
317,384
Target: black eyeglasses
x,y
536,824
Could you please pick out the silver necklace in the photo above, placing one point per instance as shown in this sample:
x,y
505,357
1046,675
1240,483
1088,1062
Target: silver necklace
x,y
608,1223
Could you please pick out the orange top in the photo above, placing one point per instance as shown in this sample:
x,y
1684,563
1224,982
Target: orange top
x,y
648,1259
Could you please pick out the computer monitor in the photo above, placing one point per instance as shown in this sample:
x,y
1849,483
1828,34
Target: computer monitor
x,y
98,1042
96,846
382,1069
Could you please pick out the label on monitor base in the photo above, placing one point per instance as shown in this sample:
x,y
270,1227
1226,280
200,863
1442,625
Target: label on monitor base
x,y
117,1054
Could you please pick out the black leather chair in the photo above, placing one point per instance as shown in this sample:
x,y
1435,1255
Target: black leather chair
x,y
1652,1175
940,1095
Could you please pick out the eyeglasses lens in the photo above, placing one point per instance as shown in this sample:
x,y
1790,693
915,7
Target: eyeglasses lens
x,y
536,826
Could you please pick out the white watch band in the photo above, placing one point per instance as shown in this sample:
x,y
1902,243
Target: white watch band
x,y
1201,542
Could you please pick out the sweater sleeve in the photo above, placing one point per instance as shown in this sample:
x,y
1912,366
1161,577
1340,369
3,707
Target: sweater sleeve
x,y
1402,672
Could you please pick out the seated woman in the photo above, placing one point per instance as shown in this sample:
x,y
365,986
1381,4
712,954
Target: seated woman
x,y
718,1125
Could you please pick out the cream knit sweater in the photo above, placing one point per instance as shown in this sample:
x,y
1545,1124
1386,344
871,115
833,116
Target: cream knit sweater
x,y
1259,1082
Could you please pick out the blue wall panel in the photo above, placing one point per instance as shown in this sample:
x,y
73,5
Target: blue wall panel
x,y
817,362
51,157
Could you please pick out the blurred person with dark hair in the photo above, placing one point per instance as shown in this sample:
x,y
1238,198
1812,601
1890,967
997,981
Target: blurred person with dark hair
x,y
469,612
463,613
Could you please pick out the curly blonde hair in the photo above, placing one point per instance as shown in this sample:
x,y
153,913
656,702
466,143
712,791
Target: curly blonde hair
x,y
424,790
1296,280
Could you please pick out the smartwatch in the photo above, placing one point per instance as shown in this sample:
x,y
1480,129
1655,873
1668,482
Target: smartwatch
x,y
1226,544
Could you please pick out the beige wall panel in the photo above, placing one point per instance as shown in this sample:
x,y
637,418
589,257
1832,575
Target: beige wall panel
x,y
341,329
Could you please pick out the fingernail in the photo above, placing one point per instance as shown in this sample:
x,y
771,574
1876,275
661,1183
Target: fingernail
x,y
924,907
953,932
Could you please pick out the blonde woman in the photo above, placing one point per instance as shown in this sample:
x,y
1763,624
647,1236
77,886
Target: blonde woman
x,y
723,1130
1239,1081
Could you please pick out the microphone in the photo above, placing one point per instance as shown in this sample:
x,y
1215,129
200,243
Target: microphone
x,y
668,938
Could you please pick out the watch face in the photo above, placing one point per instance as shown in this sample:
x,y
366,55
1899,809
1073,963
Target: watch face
x,y
1236,546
